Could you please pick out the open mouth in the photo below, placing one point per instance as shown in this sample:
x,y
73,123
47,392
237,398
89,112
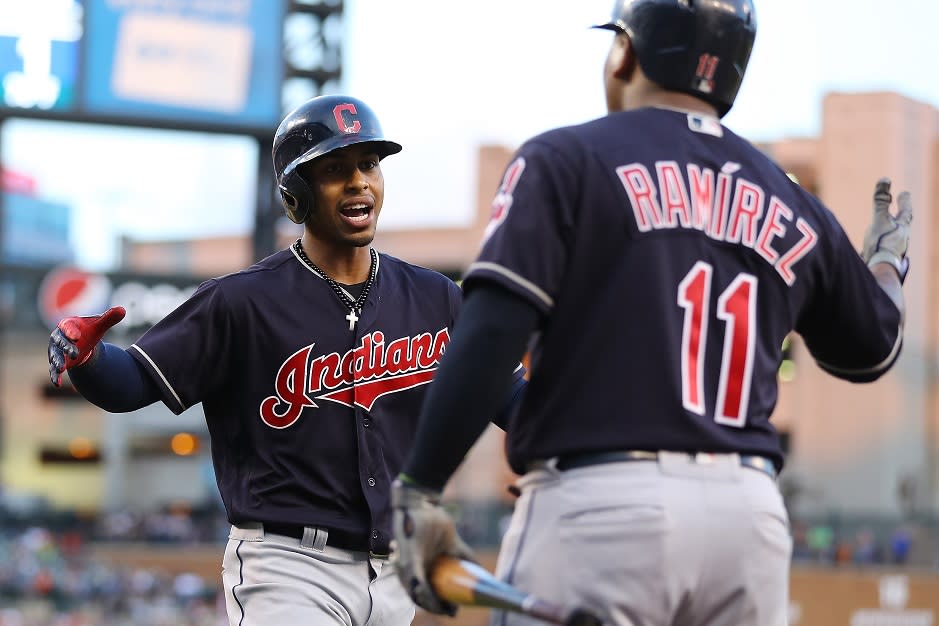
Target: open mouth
x,y
356,213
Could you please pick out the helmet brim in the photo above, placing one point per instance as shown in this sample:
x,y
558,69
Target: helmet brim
x,y
383,147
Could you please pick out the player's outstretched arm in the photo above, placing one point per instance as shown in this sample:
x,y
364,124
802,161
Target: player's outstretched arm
x,y
474,382
105,374
75,338
487,343
887,240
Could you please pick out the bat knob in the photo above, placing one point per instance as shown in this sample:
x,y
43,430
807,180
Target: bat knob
x,y
582,617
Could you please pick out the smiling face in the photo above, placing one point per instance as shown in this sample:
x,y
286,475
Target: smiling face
x,y
348,190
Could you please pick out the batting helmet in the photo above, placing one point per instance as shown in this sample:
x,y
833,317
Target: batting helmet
x,y
315,128
700,47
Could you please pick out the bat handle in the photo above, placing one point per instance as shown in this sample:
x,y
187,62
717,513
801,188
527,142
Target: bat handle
x,y
465,582
543,610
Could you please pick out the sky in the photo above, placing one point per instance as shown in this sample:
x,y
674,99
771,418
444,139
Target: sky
x,y
446,77
137,182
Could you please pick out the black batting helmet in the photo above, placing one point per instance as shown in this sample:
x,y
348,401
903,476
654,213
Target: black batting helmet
x,y
700,47
315,128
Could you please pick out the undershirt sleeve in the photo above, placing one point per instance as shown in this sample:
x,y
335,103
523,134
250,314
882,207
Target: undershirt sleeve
x,y
114,381
473,382
853,329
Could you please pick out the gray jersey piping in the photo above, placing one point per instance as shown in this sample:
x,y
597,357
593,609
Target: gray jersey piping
x,y
521,281
160,374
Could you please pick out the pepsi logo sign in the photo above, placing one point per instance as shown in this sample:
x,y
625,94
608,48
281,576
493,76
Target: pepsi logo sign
x,y
147,305
68,291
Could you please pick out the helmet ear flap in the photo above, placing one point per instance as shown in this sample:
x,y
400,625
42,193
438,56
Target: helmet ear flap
x,y
321,125
295,197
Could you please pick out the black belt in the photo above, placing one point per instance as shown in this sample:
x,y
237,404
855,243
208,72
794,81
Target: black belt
x,y
586,459
342,539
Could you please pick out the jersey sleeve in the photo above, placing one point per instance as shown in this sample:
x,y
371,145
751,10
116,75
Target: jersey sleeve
x,y
527,242
853,329
186,351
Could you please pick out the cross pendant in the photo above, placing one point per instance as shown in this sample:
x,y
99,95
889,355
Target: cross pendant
x,y
353,318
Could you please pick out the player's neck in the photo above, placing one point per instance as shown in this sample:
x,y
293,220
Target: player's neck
x,y
345,264
683,102
674,100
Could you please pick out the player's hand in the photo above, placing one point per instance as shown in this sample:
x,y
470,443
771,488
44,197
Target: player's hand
x,y
423,531
74,339
888,236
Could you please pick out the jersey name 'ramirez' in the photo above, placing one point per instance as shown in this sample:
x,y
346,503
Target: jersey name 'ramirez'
x,y
723,207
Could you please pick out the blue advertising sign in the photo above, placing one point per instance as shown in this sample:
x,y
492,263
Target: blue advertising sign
x,y
208,61
39,52
35,231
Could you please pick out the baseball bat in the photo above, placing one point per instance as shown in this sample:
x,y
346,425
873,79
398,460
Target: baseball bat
x,y
463,582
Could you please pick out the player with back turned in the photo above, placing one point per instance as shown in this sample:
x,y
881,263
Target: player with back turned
x,y
653,262
311,366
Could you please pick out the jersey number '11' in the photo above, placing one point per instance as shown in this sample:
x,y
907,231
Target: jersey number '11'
x,y
736,307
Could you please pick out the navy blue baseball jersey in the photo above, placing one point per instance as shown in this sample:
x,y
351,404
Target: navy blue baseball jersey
x,y
309,420
674,258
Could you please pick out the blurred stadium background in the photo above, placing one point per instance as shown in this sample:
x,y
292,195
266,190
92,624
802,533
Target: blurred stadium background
x,y
115,519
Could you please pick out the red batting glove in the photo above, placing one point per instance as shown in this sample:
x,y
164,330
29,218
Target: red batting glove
x,y
74,339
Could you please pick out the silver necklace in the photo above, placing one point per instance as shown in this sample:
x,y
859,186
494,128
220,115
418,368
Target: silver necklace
x,y
355,308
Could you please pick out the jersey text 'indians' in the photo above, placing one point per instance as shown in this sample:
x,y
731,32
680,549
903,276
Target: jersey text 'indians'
x,y
723,207
358,377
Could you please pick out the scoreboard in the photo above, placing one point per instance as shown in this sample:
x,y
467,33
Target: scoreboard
x,y
197,62
39,53
93,91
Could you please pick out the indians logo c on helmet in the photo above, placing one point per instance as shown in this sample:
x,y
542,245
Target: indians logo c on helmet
x,y
345,127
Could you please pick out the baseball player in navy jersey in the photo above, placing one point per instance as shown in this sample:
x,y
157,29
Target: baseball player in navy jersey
x,y
653,262
311,366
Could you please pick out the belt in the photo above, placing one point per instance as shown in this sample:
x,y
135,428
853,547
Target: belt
x,y
586,459
342,539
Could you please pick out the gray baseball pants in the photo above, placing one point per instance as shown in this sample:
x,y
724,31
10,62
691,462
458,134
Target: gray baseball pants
x,y
667,542
271,580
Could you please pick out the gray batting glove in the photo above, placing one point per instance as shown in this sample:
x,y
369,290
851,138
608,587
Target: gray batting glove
x,y
423,531
888,237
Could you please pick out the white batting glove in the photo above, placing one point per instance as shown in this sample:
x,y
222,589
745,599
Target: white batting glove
x,y
423,531
888,237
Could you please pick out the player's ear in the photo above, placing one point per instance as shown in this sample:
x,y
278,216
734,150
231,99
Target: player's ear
x,y
624,59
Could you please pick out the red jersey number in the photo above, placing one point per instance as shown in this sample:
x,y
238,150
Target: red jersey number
x,y
736,307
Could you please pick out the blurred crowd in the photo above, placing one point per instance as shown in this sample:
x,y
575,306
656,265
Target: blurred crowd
x,y
859,543
48,578
173,525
